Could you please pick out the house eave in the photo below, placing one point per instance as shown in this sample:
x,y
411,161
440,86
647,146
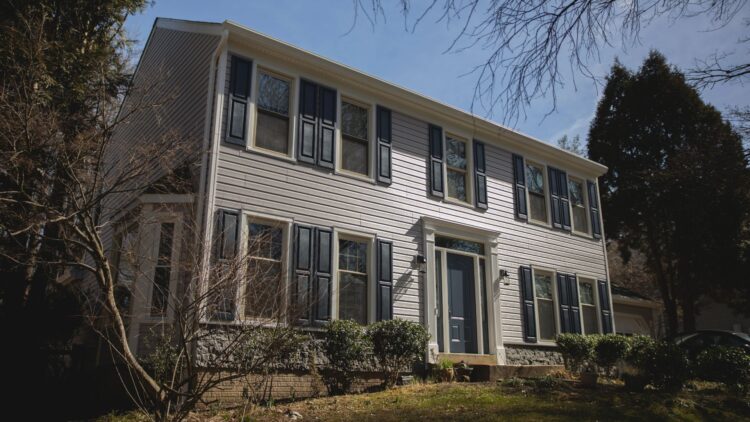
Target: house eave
x,y
408,100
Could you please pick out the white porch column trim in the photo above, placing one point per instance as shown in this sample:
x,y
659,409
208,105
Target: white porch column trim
x,y
495,324
431,311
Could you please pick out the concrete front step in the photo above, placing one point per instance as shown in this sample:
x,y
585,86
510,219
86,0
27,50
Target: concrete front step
x,y
498,372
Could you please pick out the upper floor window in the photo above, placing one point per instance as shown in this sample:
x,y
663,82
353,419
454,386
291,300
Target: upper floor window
x,y
264,292
272,123
456,166
588,306
353,276
578,205
545,305
537,196
355,148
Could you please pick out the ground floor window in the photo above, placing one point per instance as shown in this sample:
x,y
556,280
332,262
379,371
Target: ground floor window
x,y
545,305
353,276
587,300
162,271
264,292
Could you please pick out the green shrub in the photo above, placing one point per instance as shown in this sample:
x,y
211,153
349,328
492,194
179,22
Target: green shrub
x,y
664,364
576,350
640,346
608,349
727,365
397,344
346,347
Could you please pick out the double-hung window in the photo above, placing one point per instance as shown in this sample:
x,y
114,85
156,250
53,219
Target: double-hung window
x,y
353,279
537,197
544,294
457,168
587,298
579,209
355,145
163,271
272,121
264,295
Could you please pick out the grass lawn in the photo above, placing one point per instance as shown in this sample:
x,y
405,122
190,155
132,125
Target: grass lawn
x,y
511,401
563,401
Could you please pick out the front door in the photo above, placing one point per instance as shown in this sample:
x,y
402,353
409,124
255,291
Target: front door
x,y
461,304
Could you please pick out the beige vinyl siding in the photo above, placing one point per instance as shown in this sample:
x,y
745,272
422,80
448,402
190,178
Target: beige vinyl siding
x,y
265,185
170,90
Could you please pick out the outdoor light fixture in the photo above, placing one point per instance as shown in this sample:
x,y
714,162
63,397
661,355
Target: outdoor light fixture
x,y
422,264
504,276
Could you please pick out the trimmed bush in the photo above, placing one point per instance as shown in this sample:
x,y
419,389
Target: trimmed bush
x,y
640,346
576,350
608,349
727,365
346,346
397,344
662,363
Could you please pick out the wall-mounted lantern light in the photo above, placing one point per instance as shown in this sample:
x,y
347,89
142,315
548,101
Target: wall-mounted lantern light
x,y
421,264
504,277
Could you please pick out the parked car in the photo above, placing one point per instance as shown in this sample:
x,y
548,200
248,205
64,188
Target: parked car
x,y
698,341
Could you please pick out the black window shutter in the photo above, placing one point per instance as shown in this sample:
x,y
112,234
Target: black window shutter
x,y
558,190
323,274
303,269
519,188
575,308
563,299
606,311
436,161
385,280
562,190
239,90
554,198
596,224
327,129
480,175
526,284
308,127
383,174
227,231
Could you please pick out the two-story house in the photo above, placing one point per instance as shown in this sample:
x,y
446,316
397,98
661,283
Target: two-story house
x,y
381,203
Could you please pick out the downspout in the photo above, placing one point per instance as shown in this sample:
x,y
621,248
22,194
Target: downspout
x,y
606,260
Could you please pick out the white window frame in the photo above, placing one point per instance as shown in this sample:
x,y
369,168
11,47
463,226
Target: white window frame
x,y
582,279
257,69
246,218
371,107
157,219
555,304
469,167
370,238
547,205
584,190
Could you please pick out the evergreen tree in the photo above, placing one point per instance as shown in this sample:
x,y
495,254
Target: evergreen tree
x,y
677,185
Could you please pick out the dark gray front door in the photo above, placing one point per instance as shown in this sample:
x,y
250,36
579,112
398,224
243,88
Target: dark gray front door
x,y
461,304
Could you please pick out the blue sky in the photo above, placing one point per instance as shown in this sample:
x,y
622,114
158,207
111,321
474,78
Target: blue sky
x,y
417,60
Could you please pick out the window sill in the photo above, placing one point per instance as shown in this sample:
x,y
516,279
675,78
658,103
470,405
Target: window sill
x,y
356,176
453,201
271,154
582,234
540,223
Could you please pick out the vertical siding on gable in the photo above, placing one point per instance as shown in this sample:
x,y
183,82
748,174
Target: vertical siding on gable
x,y
167,101
279,188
